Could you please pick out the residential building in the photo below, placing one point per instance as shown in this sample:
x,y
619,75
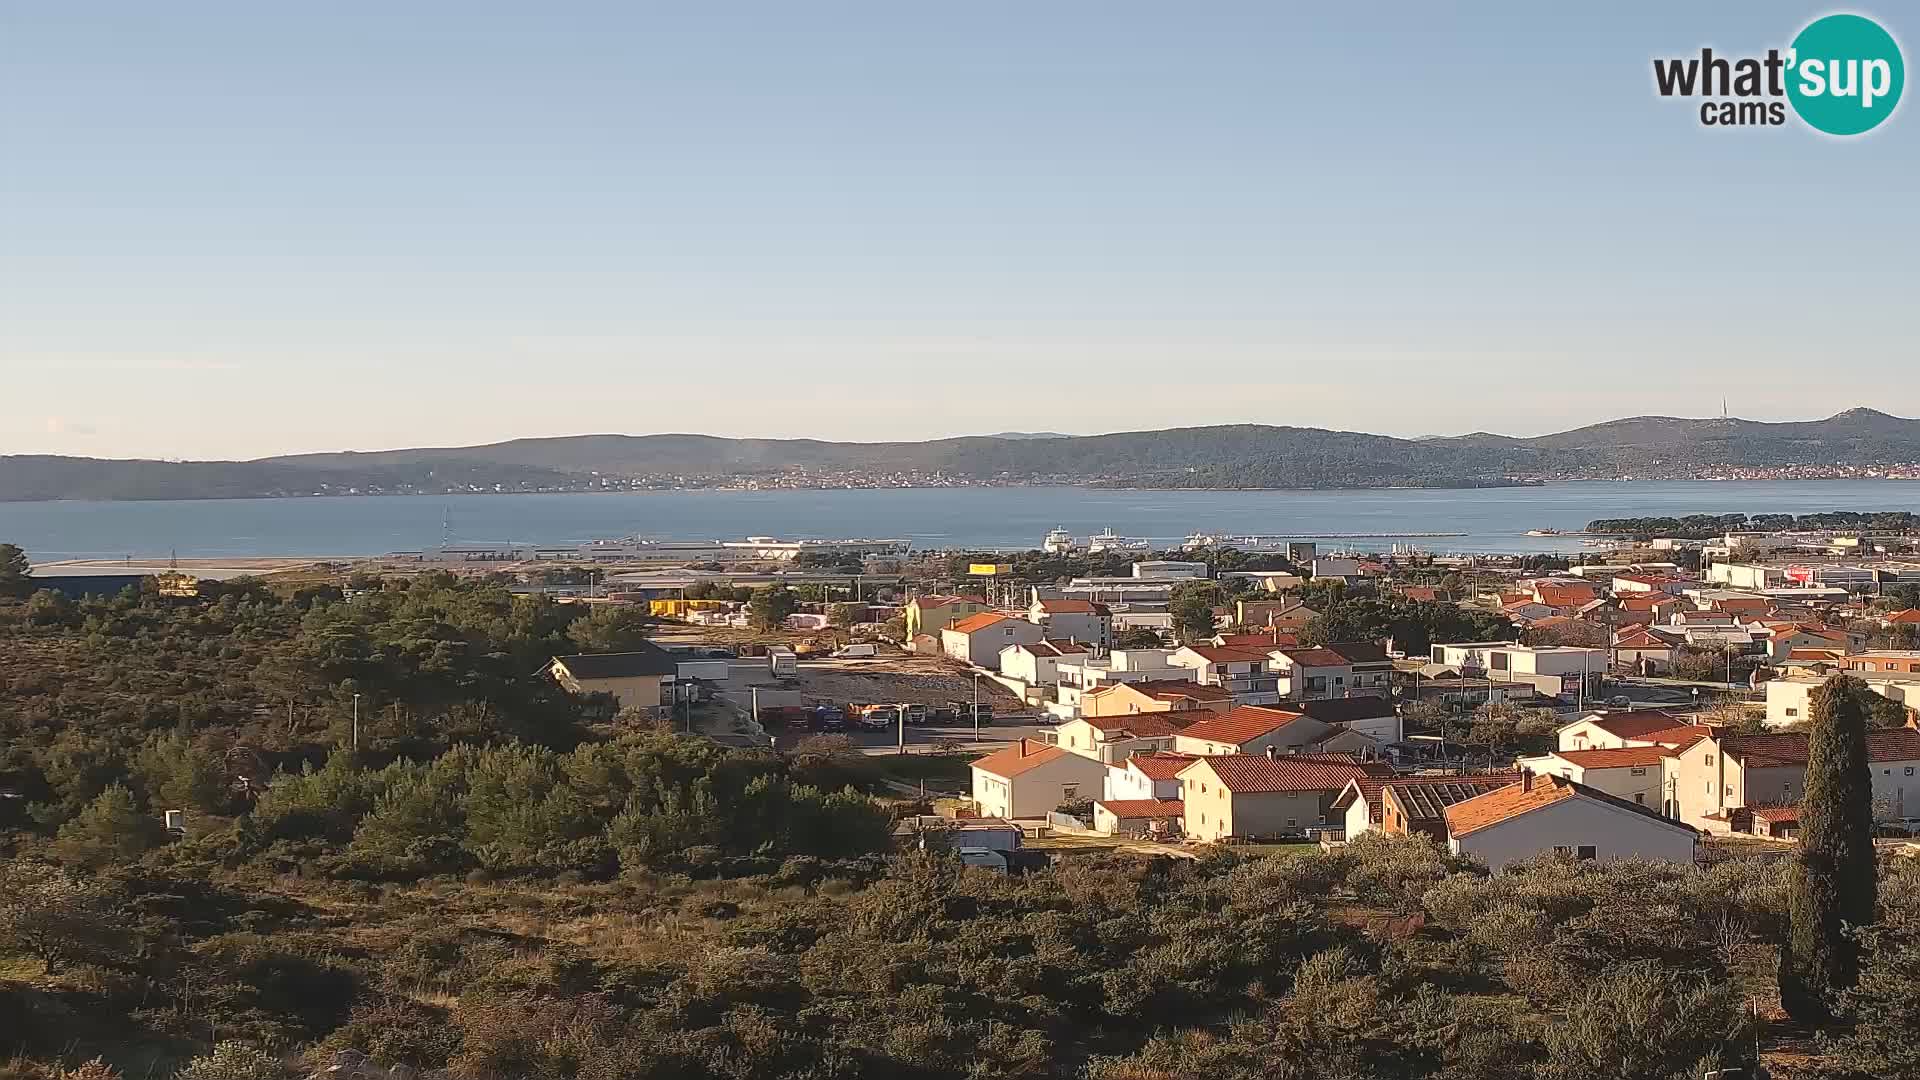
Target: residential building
x,y
1137,816
1273,616
1113,739
1147,775
1412,805
1721,773
1371,715
1243,672
1790,697
1250,729
1641,652
1371,670
1255,796
1552,670
1746,575
1312,674
1884,660
1634,773
932,614
1543,814
1074,620
978,639
1154,695
641,679
1331,567
1613,730
1029,779
1037,663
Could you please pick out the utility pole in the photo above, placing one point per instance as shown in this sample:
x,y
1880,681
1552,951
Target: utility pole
x,y
755,691
976,706
356,723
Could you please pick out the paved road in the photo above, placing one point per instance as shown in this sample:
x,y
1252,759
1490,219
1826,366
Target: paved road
x,y
992,736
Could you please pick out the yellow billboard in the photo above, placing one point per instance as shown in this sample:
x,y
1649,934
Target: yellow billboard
x,y
990,569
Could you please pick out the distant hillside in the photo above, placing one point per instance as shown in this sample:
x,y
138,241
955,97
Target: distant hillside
x,y
1227,456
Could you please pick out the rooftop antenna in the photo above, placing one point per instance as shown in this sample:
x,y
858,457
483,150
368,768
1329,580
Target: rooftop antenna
x,y
1723,408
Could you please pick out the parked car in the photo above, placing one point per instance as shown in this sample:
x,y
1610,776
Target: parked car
x,y
1619,701
857,652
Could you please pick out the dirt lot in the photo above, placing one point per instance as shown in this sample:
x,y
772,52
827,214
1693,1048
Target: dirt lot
x,y
894,679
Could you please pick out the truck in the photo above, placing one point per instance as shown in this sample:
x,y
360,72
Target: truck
x,y
879,717
782,663
963,712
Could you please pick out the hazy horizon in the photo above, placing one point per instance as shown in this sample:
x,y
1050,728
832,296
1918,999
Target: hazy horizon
x,y
235,231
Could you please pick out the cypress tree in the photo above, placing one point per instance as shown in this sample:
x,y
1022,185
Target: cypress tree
x,y
1832,884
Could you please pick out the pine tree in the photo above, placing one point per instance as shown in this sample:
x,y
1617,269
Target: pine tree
x,y
1832,884
16,576
109,829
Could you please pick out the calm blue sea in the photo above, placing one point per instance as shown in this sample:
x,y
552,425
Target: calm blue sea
x,y
1492,520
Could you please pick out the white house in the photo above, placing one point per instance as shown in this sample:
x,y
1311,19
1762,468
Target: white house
x,y
1242,671
1148,775
1369,714
1029,779
1634,773
1251,730
978,639
1113,739
1038,663
1310,674
1611,730
1074,620
1542,814
1790,698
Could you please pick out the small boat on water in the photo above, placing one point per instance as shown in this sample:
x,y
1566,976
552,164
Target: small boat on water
x,y
1543,532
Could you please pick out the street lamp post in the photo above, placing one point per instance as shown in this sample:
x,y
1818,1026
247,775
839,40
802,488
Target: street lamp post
x,y
976,706
356,723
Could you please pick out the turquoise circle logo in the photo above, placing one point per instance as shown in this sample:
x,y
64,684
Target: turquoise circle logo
x,y
1846,74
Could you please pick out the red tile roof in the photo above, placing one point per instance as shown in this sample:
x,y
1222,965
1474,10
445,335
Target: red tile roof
x,y
1215,654
1636,756
975,623
1257,774
1167,690
1240,725
1262,642
1315,657
1507,803
1160,765
943,601
1787,749
1068,607
1776,813
1637,724
1148,725
1564,595
1641,639
1018,758
1900,618
1142,808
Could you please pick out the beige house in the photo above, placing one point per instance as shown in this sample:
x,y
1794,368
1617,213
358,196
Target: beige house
x,y
1634,773
1113,739
1156,695
642,679
1029,779
931,614
978,639
1253,796
1251,729
1718,774
1543,814
1612,730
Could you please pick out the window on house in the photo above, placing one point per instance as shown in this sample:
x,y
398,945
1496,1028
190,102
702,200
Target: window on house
x,y
1638,770
1791,711
1709,759
1909,770
1641,798
1070,792
1709,787
1293,823
1588,851
1562,849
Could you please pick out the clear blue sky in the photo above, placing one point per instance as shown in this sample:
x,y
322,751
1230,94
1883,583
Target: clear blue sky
x,y
236,229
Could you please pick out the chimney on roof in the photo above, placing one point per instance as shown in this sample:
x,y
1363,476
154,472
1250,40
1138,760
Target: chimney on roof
x,y
1273,752
1526,779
